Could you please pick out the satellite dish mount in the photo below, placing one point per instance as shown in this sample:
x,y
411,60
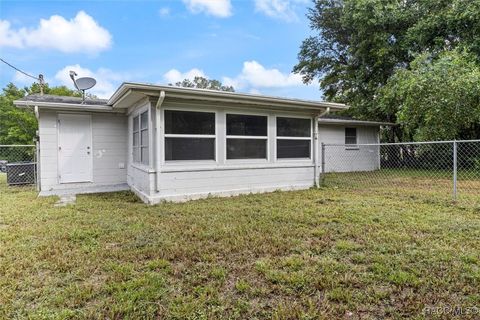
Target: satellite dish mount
x,y
82,84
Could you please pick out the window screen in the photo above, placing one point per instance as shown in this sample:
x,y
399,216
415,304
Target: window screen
x,y
187,122
246,125
254,129
189,135
293,148
189,149
140,152
136,140
350,135
293,127
246,148
294,138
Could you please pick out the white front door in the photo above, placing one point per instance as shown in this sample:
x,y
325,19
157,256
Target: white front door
x,y
74,148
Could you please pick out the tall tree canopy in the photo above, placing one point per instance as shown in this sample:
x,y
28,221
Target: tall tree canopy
x,y
437,99
361,44
19,126
203,83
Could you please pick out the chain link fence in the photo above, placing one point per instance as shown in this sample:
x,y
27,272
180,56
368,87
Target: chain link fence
x,y
444,170
18,164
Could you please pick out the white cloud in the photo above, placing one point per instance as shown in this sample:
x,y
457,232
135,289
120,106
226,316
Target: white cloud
x,y
107,80
255,76
9,37
279,9
164,12
174,75
80,34
217,8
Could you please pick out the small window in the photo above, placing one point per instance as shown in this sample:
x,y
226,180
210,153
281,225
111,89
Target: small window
x,y
189,135
140,141
294,138
350,135
247,136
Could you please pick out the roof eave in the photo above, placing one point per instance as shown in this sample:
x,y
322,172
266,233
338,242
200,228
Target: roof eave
x,y
64,106
222,96
355,122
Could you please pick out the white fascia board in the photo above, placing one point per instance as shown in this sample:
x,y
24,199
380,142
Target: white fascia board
x,y
65,106
354,122
220,96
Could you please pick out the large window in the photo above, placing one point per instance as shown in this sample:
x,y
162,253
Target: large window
x,y
189,135
246,136
140,138
351,136
294,138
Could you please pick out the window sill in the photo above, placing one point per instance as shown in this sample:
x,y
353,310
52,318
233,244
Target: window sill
x,y
224,167
352,148
294,160
246,161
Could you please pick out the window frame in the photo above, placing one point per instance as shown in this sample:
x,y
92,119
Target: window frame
x,y
351,146
199,136
266,138
277,137
140,145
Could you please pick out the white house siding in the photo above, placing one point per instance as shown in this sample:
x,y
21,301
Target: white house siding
x,y
343,159
109,138
192,184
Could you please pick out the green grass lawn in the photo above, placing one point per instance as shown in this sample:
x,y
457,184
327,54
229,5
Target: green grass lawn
x,y
320,253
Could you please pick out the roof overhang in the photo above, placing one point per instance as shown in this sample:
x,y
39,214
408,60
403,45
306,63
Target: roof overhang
x,y
129,93
64,106
354,122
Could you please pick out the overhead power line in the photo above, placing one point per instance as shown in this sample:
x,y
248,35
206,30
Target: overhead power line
x,y
40,79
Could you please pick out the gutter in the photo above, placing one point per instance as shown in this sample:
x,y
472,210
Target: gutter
x,y
158,163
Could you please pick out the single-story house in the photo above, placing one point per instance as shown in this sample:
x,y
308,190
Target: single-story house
x,y
173,143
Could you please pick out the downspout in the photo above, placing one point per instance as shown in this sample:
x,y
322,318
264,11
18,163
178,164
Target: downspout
x,y
37,150
158,162
316,171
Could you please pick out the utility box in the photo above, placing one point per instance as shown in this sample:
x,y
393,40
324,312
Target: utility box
x,y
19,173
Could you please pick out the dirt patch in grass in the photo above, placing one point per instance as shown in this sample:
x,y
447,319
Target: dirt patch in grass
x,y
320,253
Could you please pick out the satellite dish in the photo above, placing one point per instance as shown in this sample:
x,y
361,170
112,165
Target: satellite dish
x,y
82,84
85,83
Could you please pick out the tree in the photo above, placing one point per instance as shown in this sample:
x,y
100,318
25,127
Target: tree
x,y
19,126
360,44
203,83
437,98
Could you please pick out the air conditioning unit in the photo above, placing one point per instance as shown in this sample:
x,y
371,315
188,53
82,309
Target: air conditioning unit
x,y
19,173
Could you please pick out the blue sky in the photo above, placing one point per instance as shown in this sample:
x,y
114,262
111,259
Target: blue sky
x,y
252,45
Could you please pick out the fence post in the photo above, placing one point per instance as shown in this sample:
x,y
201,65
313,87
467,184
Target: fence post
x,y
323,164
455,170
